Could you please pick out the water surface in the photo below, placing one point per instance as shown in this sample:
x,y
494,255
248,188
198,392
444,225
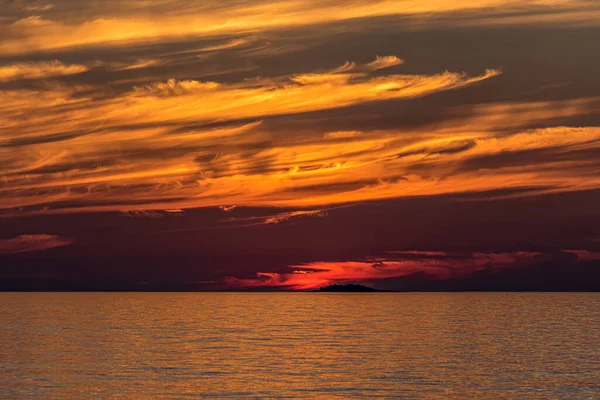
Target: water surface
x,y
299,345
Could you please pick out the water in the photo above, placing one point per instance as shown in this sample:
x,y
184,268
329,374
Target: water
x,y
300,345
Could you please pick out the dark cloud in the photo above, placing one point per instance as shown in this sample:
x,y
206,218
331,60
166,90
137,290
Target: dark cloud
x,y
32,243
556,154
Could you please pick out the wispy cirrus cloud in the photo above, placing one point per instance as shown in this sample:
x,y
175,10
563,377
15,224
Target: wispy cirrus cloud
x,y
384,62
272,218
39,8
73,149
279,218
100,24
341,134
38,70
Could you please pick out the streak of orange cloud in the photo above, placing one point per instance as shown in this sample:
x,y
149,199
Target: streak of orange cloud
x,y
384,62
59,146
107,26
38,70
442,266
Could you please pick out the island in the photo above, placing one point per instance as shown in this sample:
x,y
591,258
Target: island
x,y
348,288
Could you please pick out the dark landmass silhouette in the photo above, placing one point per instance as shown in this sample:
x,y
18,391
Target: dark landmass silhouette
x,y
348,288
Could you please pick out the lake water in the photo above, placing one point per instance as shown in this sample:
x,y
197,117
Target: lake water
x,y
300,345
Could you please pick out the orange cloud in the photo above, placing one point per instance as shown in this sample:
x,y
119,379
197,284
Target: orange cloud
x,y
437,265
384,62
299,93
103,25
342,134
64,144
38,70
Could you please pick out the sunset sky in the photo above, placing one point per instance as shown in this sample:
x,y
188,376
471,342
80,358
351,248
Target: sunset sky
x,y
292,144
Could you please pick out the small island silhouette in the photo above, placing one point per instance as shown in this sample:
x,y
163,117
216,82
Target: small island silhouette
x,y
348,288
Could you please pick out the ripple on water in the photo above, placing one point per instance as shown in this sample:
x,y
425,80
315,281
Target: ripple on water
x,y
299,346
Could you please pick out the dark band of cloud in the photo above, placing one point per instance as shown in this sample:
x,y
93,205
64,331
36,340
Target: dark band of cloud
x,y
31,243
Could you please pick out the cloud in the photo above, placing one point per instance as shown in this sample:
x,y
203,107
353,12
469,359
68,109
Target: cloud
x,y
142,214
39,70
103,25
44,7
30,243
435,266
384,62
364,167
274,219
341,134
173,87
347,67
584,255
88,149
381,62
283,217
151,213
137,64
298,93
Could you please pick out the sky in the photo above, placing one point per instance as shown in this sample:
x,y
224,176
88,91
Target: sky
x,y
294,144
